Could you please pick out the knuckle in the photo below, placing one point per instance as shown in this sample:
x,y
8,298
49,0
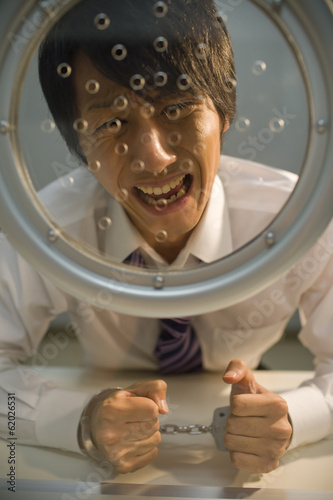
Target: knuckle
x,y
274,452
157,438
280,406
161,385
149,427
230,424
135,434
228,440
280,449
156,425
105,437
155,410
124,468
115,456
237,404
152,407
109,409
284,430
154,454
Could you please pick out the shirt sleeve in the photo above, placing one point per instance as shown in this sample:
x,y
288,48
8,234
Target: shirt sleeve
x,y
45,414
311,405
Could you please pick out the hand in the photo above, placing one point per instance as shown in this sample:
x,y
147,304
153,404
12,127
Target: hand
x,y
258,428
125,427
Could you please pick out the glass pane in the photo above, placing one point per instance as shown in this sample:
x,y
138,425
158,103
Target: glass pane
x,y
143,113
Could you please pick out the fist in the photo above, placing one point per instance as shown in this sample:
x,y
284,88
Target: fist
x,y
258,428
125,426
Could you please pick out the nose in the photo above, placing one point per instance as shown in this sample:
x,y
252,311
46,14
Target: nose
x,y
152,147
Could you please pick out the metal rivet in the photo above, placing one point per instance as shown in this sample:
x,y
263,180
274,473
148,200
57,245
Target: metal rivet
x,y
160,44
321,126
119,52
102,22
158,282
4,127
52,236
160,9
270,239
137,82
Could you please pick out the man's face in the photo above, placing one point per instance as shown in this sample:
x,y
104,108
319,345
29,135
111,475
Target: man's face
x,y
159,159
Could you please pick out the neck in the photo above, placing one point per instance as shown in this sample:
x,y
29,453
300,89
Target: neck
x,y
169,250
169,247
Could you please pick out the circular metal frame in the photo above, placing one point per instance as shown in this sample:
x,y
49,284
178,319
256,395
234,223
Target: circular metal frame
x,y
85,274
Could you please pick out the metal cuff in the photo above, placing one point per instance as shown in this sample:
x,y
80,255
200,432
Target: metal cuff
x,y
86,443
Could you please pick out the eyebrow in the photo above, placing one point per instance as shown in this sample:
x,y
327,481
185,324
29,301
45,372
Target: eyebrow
x,y
101,105
109,103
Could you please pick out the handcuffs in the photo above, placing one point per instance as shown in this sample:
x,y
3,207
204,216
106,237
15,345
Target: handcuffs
x,y
88,447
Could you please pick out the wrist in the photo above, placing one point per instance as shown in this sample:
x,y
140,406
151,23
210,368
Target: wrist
x,y
84,435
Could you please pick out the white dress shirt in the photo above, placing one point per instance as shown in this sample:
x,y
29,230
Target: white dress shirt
x,y
241,206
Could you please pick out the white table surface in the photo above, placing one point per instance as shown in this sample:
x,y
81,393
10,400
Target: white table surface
x,y
187,466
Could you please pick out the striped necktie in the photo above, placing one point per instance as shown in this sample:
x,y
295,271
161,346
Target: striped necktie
x,y
178,349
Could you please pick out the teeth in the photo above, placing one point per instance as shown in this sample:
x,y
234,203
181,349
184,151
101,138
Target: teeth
x,y
162,202
181,192
164,189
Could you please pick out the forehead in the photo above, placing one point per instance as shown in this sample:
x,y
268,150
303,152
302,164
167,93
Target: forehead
x,y
90,84
93,89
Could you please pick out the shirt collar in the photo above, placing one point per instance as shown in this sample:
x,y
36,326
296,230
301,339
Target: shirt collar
x,y
211,240
122,237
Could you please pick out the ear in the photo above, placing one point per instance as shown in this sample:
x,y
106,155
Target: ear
x,y
226,125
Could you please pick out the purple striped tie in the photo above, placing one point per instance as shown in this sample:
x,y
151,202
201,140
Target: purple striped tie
x,y
178,349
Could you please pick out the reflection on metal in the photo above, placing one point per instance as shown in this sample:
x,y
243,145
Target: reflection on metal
x,y
321,126
158,282
4,127
307,28
270,239
52,236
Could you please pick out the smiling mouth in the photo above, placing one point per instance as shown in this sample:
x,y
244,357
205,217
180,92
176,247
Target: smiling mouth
x,y
167,194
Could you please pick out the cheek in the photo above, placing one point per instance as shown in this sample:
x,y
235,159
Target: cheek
x,y
209,133
96,151
209,157
105,165
105,178
99,154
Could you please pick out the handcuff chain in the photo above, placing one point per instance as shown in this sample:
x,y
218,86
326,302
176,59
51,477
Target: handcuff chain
x,y
185,429
217,427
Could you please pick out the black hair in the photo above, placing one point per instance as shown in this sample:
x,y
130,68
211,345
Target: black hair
x,y
123,38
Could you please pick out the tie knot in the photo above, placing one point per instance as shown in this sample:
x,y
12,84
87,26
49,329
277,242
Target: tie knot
x,y
135,259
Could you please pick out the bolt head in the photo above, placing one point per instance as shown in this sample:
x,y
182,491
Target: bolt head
x,y
4,127
270,239
321,126
158,282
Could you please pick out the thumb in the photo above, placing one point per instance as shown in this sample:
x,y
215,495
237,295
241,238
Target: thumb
x,y
154,390
241,378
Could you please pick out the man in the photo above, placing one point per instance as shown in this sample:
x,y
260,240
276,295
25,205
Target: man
x,y
143,92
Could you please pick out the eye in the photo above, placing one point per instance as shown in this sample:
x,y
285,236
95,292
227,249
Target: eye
x,y
112,126
179,110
